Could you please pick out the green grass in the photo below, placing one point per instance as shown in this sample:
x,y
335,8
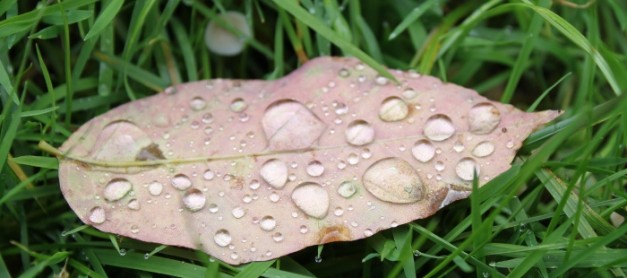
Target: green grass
x,y
65,62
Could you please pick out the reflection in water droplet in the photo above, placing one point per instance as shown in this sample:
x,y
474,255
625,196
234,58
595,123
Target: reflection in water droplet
x,y
238,105
222,238
466,167
238,212
359,132
267,223
439,127
312,199
393,109
393,180
347,189
315,168
274,172
155,188
194,200
117,189
483,149
423,150
198,104
97,215
181,182
483,118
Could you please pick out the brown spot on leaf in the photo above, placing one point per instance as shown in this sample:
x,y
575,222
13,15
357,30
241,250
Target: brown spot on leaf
x,y
334,233
150,152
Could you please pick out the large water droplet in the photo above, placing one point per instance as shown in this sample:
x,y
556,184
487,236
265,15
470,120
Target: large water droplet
x,y
347,189
181,182
393,180
359,132
393,109
194,200
289,124
483,118
97,215
483,149
274,172
315,168
423,150
155,188
238,105
466,167
267,223
117,189
222,238
312,199
439,127
198,104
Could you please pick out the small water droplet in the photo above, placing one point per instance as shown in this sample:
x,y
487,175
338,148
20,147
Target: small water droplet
x,y
194,200
312,199
365,153
238,212
97,215
134,229
274,172
381,81
458,147
347,189
393,109
354,224
439,127
181,182
338,211
509,144
466,167
254,184
423,150
315,168
213,208
208,175
483,149
409,94
238,105
274,197
341,109
197,104
155,188
343,72
133,204
207,118
267,223
439,166
483,118
341,165
116,189
277,237
222,238
303,229
318,259
359,132
353,159
393,180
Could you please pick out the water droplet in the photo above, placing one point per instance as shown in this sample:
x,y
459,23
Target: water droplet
x,y
365,154
238,105
289,124
312,199
353,159
274,197
483,118
267,223
466,167
393,180
380,80
439,166
213,208
409,93
222,238
116,189
238,212
359,132
97,215
347,189
483,149
338,211
458,147
254,184
198,104
194,200
315,168
341,108
393,109
207,118
170,90
318,259
133,204
303,229
423,150
439,127
155,188
208,175
134,229
181,182
354,224
341,165
368,232
274,172
343,72
509,144
243,117
277,237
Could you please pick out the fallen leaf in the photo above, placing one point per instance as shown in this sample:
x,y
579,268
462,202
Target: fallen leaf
x,y
254,170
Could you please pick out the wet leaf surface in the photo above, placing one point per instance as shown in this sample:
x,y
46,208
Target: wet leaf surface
x,y
254,170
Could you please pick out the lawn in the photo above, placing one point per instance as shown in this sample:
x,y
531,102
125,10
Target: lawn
x,y
558,212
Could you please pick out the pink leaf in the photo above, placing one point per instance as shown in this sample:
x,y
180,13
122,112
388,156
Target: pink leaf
x,y
253,170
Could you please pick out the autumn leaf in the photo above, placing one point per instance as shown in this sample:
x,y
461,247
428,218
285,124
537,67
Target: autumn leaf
x,y
254,170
